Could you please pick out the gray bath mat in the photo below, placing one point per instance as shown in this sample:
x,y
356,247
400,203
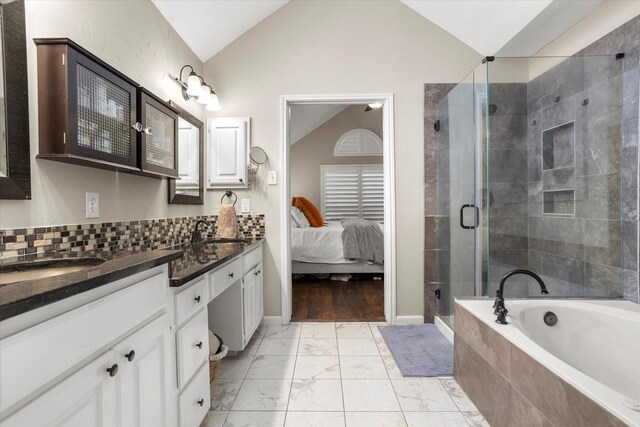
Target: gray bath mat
x,y
419,350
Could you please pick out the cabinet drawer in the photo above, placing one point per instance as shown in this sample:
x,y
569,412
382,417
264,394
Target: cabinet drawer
x,y
191,300
251,259
34,357
193,346
224,277
195,400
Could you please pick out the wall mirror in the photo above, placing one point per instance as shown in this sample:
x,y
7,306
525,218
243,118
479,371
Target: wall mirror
x,y
257,155
189,188
15,166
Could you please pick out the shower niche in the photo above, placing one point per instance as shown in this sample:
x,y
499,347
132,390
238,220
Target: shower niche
x,y
558,160
558,146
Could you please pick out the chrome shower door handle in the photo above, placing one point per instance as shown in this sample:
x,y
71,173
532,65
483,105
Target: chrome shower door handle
x,y
477,222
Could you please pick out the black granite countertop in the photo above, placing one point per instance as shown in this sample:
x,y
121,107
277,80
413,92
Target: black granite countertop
x,y
187,261
20,297
201,257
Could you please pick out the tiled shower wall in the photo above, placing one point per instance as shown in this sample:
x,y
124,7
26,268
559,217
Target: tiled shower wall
x,y
591,105
590,252
132,236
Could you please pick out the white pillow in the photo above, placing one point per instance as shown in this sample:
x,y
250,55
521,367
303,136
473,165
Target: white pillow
x,y
298,218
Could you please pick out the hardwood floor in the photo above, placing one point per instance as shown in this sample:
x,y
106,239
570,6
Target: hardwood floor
x,y
361,299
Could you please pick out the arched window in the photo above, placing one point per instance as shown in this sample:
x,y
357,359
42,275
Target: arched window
x,y
358,142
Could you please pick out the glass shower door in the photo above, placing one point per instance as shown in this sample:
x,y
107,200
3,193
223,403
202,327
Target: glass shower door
x,y
459,213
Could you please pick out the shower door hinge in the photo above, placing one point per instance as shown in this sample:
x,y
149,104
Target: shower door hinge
x,y
619,55
436,126
488,59
437,292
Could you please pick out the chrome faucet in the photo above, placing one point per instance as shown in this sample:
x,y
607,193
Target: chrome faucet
x,y
195,236
498,305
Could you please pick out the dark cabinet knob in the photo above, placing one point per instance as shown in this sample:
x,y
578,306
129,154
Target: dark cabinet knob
x,y
201,402
241,180
255,273
130,356
113,370
199,345
230,274
197,298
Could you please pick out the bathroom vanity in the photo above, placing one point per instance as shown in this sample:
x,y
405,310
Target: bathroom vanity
x,y
124,342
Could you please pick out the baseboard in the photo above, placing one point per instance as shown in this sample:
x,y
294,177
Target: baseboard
x,y
271,320
444,329
409,320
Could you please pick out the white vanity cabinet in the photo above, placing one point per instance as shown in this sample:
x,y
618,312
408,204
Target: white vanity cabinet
x,y
105,362
192,351
236,313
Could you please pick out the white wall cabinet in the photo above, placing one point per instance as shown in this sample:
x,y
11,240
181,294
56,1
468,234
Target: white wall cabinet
x,y
228,141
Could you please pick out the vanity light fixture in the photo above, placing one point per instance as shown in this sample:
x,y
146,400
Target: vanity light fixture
x,y
196,87
373,106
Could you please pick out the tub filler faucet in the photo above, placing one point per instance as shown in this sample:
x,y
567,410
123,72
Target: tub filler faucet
x,y
498,305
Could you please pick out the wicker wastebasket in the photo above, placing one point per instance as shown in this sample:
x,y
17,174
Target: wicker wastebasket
x,y
214,359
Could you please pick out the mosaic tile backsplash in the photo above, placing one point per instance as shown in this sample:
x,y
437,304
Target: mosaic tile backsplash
x,y
132,236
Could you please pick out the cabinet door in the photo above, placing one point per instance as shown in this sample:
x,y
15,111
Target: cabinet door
x,y
259,295
145,359
248,304
227,148
87,398
159,137
102,110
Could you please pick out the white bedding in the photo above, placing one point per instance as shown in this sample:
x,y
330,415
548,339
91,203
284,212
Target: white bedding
x,y
319,245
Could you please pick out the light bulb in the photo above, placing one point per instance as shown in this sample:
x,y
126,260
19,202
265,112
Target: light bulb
x,y
205,95
193,84
214,103
375,105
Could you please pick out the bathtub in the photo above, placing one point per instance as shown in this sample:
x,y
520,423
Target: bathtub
x,y
594,346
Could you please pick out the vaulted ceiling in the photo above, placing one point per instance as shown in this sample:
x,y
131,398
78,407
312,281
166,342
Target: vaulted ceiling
x,y
506,27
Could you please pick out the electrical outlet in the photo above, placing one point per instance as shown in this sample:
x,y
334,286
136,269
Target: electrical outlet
x,y
92,205
245,205
273,178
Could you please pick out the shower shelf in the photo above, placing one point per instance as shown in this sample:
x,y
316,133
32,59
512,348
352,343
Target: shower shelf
x,y
558,202
558,144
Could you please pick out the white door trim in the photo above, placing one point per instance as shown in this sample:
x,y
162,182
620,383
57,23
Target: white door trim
x,y
389,190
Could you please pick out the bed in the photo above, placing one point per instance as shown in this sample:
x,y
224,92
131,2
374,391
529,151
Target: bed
x,y
319,250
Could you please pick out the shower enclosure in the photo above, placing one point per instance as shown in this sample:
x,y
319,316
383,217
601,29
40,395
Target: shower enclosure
x,y
531,174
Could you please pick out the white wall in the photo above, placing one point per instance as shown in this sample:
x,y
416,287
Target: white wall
x,y
316,149
136,39
594,26
333,47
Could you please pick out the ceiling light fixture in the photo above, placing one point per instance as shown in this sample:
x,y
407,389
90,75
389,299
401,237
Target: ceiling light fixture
x,y
196,87
373,106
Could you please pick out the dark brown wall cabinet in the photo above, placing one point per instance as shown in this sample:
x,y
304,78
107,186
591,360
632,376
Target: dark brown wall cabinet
x,y
91,114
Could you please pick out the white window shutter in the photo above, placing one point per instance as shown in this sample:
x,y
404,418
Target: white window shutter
x,y
358,142
352,191
372,179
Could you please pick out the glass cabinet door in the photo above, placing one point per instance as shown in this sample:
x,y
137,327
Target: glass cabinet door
x,y
159,136
105,107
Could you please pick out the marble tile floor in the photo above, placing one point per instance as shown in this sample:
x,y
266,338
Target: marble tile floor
x,y
326,375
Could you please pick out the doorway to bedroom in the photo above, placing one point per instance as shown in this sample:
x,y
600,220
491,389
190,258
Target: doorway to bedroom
x,y
337,206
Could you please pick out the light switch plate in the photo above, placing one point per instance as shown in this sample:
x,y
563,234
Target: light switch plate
x,y
245,205
92,207
273,178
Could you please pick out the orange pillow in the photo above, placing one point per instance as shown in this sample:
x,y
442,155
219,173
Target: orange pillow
x,y
309,210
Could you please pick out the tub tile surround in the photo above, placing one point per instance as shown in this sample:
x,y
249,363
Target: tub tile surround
x,y
133,236
525,394
593,252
